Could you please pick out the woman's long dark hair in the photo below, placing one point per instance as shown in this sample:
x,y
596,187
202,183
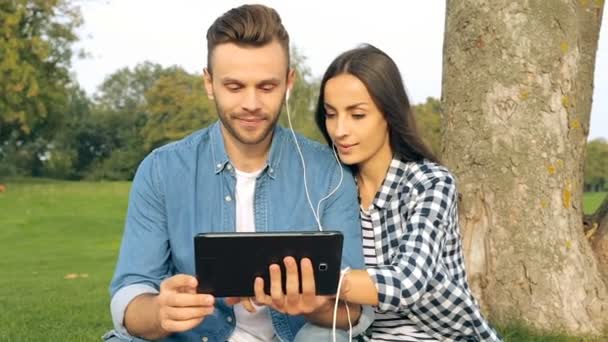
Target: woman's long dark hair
x,y
382,78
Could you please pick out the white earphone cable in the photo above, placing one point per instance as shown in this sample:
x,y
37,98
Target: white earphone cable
x,y
316,215
295,139
350,324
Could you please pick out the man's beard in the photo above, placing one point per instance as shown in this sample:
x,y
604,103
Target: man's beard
x,y
228,121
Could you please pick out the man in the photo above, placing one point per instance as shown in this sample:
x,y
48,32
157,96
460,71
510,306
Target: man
x,y
242,173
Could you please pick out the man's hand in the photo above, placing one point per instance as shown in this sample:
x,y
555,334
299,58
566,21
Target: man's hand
x,y
292,302
316,309
247,302
180,308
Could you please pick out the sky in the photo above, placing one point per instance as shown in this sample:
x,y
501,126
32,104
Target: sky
x,y
123,33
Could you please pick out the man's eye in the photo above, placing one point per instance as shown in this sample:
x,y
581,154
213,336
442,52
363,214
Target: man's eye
x,y
233,87
268,87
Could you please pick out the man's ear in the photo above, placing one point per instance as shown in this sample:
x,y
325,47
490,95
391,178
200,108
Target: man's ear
x,y
208,83
291,79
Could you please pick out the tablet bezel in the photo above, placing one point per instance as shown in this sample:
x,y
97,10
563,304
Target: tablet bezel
x,y
227,263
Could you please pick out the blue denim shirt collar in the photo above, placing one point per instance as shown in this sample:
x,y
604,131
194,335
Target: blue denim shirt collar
x,y
220,158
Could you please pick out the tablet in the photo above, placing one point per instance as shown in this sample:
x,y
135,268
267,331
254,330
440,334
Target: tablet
x,y
228,263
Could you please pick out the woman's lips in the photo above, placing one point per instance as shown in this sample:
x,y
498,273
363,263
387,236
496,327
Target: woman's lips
x,y
345,148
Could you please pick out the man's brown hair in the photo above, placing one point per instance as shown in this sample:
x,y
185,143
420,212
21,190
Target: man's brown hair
x,y
248,25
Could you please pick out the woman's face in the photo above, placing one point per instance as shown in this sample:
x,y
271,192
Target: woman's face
x,y
354,123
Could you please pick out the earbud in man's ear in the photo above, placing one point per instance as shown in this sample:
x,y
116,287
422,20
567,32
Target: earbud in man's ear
x,y
287,95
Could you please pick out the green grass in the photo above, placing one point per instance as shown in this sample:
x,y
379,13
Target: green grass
x,y
592,200
50,229
520,333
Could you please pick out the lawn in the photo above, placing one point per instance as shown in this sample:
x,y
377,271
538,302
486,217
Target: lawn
x,y
59,246
592,200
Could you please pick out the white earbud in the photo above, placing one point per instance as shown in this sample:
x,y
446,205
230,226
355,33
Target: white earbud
x,y
287,95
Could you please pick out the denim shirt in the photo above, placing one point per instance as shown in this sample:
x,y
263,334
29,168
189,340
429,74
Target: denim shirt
x,y
188,187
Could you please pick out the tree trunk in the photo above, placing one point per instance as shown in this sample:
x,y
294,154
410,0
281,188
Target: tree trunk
x,y
517,87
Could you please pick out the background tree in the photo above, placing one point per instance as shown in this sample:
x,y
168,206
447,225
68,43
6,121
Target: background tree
x,y
303,99
35,57
176,106
596,179
66,156
517,87
596,165
114,131
428,118
125,89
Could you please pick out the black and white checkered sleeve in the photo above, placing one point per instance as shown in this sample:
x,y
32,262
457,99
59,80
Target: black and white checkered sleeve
x,y
414,264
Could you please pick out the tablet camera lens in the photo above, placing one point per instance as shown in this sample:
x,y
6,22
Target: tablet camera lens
x,y
323,267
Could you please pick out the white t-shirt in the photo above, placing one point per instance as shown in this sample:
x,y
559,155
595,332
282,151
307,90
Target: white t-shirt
x,y
250,327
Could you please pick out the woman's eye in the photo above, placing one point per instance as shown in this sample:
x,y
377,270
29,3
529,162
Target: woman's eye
x,y
329,115
358,115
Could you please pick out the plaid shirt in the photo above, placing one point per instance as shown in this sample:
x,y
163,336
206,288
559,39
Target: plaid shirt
x,y
420,270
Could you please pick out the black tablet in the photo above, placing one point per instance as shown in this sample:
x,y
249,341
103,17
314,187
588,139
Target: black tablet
x,y
228,263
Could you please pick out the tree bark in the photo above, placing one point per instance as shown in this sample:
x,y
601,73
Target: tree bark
x,y
516,97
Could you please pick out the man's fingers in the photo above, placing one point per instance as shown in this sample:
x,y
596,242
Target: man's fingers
x,y
178,281
245,301
187,289
187,313
260,295
248,304
189,300
276,288
179,326
292,286
308,281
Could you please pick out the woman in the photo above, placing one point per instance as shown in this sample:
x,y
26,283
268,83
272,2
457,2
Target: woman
x,y
415,273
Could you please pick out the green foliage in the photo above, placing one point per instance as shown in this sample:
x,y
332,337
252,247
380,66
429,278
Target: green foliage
x,y
428,119
59,164
176,105
110,140
35,56
596,165
125,89
303,99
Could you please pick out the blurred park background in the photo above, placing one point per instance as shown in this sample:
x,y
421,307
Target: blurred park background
x,y
67,155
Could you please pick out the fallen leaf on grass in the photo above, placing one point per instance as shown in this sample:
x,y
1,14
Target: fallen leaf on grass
x,y
71,276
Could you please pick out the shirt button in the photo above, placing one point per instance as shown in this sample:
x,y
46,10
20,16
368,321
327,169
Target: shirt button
x,y
229,167
229,319
228,198
218,166
205,339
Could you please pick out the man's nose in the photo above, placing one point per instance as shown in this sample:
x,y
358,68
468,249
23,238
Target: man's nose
x,y
251,101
